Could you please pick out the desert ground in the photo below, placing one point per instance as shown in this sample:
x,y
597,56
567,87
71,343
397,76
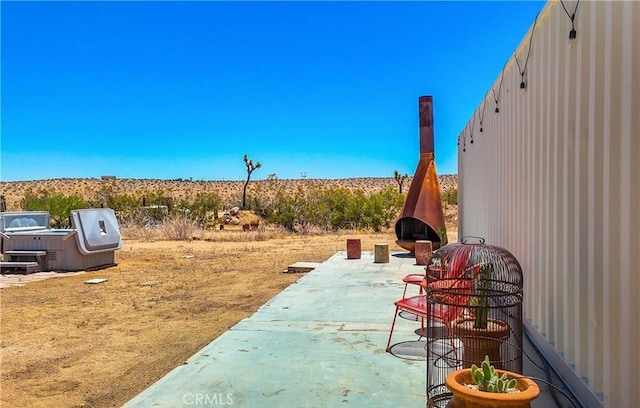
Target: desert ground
x,y
66,343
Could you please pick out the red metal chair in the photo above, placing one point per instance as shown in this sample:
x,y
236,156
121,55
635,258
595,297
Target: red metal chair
x,y
416,305
420,279
413,279
419,306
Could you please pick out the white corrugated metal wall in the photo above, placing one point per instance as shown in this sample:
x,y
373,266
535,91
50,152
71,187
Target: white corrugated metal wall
x,y
555,178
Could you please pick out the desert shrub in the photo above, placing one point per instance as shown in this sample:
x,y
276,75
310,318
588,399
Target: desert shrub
x,y
141,216
58,205
333,209
301,210
338,200
283,211
158,205
381,209
313,206
127,208
354,211
124,203
179,228
202,208
142,208
450,196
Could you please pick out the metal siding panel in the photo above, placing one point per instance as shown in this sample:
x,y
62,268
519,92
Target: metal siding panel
x,y
629,209
569,236
567,176
583,76
545,193
554,273
594,361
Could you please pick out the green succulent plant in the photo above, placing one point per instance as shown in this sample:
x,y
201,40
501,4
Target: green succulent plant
x,y
489,380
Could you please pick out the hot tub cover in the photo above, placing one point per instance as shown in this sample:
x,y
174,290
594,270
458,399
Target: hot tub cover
x,y
97,230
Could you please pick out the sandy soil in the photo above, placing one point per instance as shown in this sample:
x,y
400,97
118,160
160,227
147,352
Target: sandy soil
x,y
65,343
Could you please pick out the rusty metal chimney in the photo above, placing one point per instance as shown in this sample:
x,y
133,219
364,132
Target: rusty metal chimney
x,y
422,217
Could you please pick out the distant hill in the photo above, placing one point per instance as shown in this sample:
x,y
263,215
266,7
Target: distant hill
x,y
90,189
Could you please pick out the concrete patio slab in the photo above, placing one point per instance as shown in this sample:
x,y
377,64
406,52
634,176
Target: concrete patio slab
x,y
319,343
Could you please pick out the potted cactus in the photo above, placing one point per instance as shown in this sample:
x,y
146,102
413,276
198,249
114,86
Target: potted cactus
x,y
480,334
486,386
480,302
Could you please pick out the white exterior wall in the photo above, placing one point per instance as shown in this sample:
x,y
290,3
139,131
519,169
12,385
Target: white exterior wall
x,y
555,178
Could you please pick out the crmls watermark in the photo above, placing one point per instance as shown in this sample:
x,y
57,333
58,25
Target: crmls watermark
x,y
205,398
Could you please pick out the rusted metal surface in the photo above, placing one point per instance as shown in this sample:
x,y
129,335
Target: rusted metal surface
x,y
422,217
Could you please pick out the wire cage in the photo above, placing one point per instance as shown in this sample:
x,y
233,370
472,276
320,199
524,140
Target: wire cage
x,y
474,292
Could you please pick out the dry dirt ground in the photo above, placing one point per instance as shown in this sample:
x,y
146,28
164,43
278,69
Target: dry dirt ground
x,y
65,343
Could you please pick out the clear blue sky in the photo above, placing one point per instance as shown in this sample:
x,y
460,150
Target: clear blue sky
x,y
184,89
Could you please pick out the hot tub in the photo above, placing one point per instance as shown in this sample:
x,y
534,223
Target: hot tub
x,y
90,243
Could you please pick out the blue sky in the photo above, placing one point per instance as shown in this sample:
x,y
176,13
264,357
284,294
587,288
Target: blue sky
x,y
172,90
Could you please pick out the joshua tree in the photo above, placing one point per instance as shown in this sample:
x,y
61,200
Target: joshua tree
x,y
251,166
400,179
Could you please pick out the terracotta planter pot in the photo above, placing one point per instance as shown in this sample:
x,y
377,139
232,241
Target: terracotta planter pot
x,y
479,343
464,397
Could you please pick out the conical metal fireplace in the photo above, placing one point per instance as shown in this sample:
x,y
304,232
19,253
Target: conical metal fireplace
x,y
422,217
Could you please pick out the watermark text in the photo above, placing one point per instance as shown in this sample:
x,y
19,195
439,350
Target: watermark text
x,y
205,398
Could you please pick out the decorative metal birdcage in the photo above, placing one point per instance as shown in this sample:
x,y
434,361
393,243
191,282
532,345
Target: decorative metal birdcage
x,y
474,297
